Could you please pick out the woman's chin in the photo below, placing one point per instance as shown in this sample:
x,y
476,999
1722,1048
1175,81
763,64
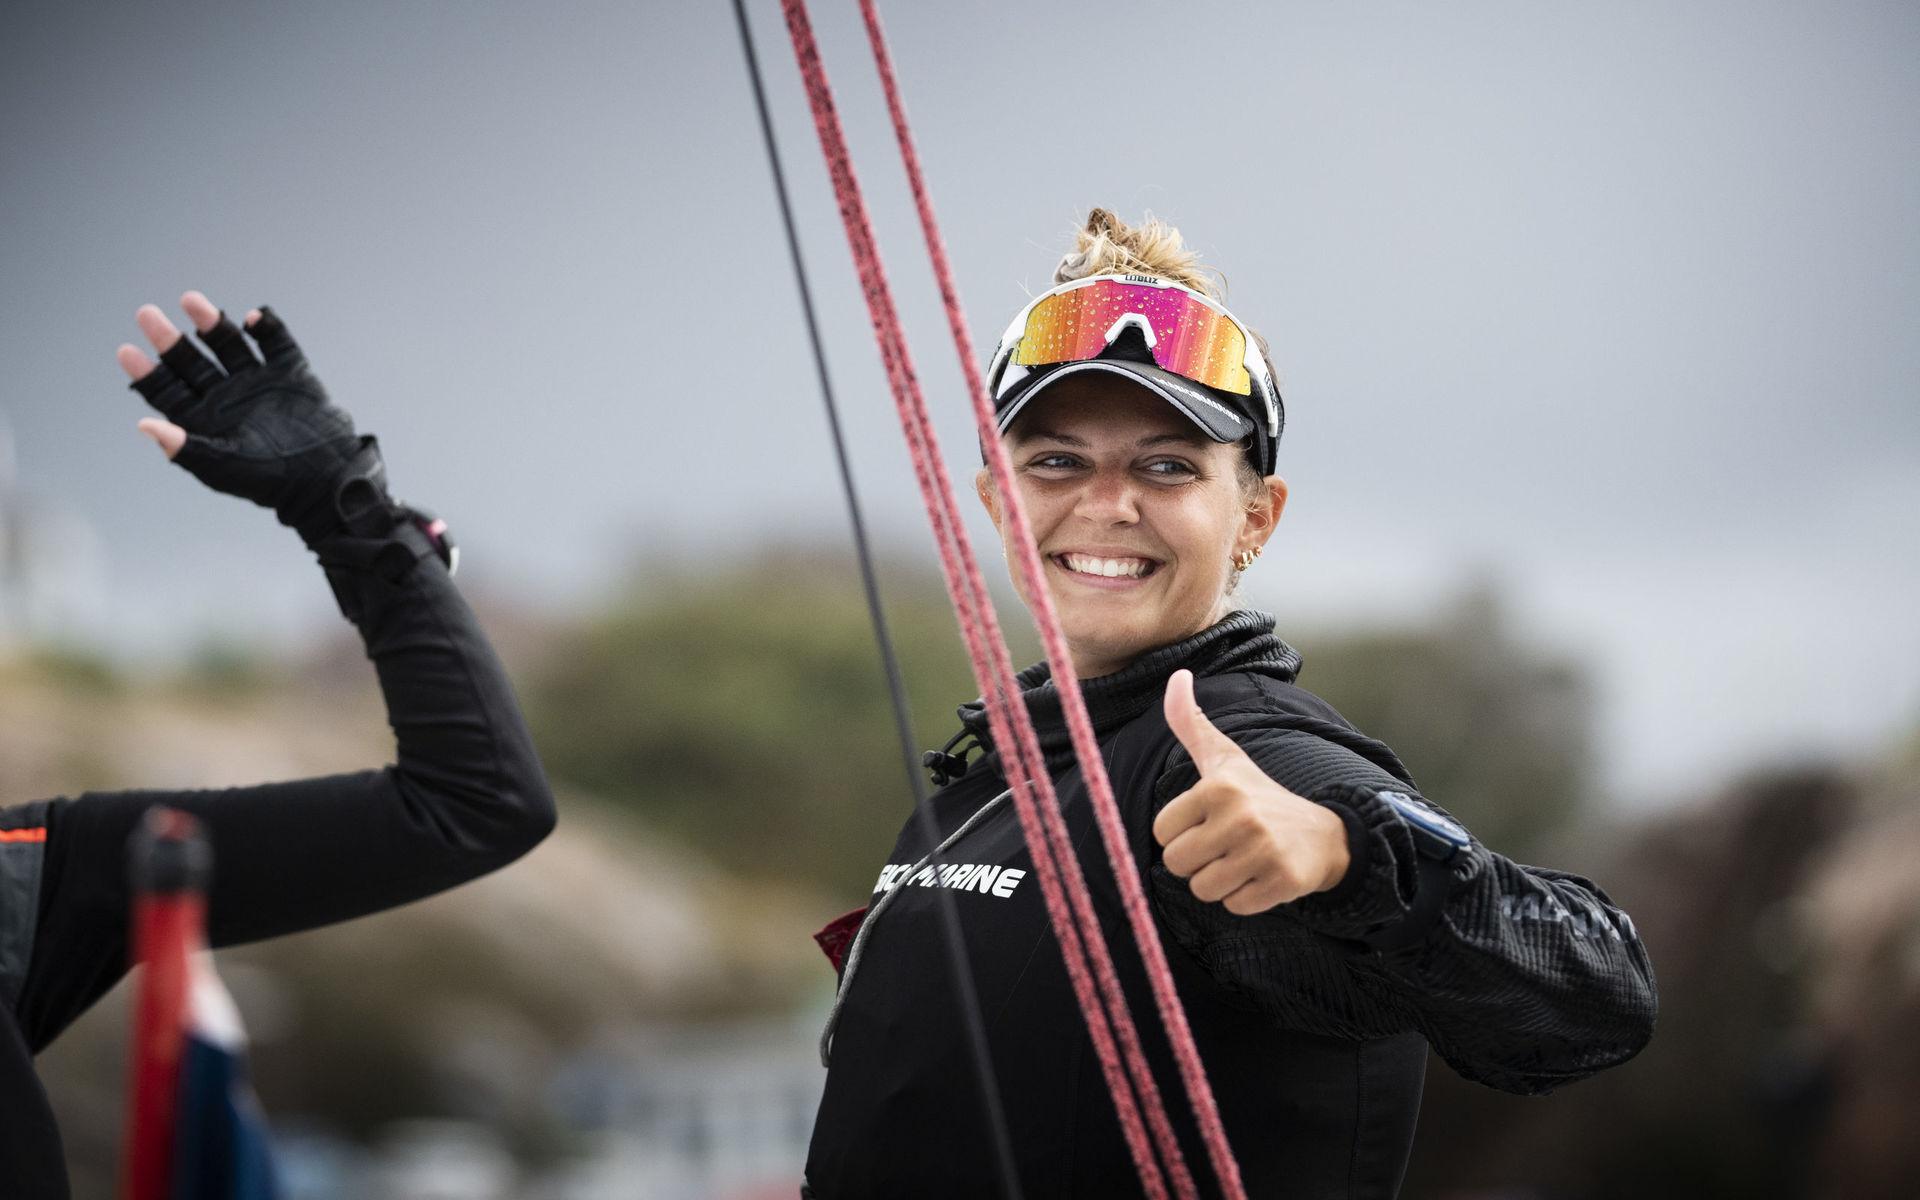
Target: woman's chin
x,y
1103,646
1109,626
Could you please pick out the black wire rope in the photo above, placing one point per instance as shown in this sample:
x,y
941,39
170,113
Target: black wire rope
x,y
896,685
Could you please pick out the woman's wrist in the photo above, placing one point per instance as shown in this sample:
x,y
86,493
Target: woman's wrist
x,y
1343,842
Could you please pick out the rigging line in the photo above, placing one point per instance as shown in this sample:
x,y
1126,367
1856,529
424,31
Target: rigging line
x,y
964,583
1112,830
1041,822
896,684
996,681
1020,535
1113,833
1012,726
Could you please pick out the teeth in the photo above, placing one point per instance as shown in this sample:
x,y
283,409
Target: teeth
x,y
1112,568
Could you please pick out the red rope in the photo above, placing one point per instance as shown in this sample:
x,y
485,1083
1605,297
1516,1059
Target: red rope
x,y
1033,792
1093,766
1012,729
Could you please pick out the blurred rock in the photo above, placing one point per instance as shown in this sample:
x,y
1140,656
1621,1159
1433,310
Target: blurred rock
x,y
1862,907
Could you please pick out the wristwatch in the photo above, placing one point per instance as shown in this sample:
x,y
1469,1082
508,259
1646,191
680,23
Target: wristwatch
x,y
1437,840
1434,836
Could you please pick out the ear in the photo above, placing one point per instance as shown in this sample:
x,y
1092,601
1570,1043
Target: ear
x,y
1264,513
989,499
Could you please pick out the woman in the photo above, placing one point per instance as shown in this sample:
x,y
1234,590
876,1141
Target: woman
x,y
465,795
1326,923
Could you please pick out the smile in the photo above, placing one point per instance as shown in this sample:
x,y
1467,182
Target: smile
x,y
1095,567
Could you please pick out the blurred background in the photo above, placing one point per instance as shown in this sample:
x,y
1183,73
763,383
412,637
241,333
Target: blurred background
x,y
1597,330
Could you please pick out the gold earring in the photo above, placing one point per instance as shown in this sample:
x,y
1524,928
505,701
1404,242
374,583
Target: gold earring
x,y
1244,559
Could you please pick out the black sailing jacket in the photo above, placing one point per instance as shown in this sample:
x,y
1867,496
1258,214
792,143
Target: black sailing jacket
x,y
1313,1019
465,795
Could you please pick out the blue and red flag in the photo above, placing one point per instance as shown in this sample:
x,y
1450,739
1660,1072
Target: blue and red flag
x,y
194,1131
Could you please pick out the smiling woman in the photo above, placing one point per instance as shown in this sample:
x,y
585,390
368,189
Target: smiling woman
x,y
1139,517
1332,923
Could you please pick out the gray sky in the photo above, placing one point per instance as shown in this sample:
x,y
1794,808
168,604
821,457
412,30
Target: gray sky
x,y
1615,302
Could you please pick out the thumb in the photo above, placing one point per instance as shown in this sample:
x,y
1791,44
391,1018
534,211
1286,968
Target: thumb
x,y
165,434
1210,748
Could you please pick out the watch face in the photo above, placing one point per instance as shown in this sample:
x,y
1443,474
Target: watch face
x,y
1421,817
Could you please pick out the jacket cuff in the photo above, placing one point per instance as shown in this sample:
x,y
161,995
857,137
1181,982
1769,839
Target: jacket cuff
x,y
365,572
1383,878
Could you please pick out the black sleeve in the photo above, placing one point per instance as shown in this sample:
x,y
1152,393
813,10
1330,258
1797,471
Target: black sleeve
x,y
465,795
1521,978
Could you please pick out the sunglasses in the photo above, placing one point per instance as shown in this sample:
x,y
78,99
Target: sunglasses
x,y
1187,333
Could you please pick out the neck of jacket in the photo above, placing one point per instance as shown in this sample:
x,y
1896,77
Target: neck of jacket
x,y
1241,641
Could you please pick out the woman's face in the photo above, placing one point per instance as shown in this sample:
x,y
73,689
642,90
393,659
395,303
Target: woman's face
x,y
1137,515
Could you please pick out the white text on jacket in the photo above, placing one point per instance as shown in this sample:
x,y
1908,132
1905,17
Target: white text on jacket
x,y
986,878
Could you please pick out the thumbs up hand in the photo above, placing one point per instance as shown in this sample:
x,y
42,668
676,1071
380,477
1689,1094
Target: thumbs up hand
x,y
1237,836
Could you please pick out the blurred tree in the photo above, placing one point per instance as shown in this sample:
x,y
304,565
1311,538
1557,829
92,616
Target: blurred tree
x,y
1495,730
226,670
79,669
746,712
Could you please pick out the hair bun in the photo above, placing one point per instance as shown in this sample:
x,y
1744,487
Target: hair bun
x,y
1106,245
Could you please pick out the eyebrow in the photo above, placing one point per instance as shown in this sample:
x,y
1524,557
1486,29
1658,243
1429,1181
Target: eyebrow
x,y
1158,439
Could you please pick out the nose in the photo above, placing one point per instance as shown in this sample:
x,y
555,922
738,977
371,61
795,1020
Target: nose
x,y
1109,498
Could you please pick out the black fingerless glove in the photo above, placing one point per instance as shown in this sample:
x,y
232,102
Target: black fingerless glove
x,y
267,432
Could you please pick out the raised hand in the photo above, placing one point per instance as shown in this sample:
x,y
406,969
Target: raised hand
x,y
261,430
1236,836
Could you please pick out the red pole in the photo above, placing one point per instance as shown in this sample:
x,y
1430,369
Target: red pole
x,y
169,862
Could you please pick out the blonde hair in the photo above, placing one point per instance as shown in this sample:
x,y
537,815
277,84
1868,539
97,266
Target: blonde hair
x,y
1106,245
